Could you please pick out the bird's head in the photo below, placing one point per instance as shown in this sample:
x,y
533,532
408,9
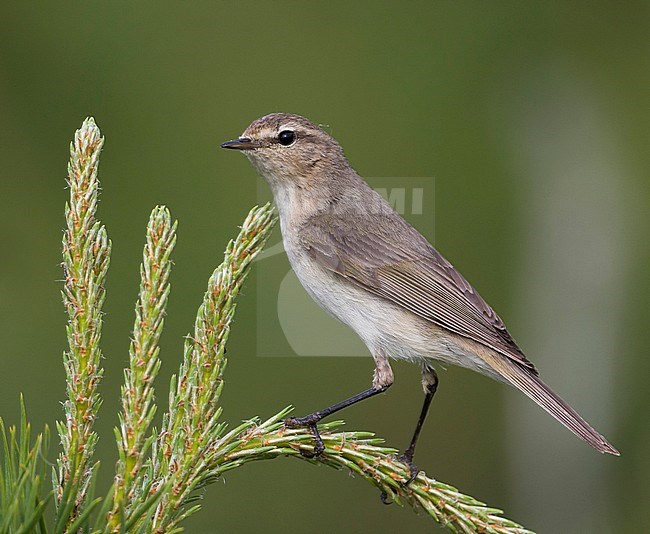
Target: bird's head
x,y
289,150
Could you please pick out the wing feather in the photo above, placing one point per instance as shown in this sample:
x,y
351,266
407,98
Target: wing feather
x,y
414,276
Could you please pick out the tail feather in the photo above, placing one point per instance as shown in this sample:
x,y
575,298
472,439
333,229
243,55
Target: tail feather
x,y
538,391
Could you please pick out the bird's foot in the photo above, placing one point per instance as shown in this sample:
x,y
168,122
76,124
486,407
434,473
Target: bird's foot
x,y
414,470
299,422
309,422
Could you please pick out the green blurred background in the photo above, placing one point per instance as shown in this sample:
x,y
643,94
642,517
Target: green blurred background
x,y
533,119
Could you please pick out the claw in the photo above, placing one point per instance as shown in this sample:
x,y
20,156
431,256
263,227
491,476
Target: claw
x,y
297,422
319,446
414,470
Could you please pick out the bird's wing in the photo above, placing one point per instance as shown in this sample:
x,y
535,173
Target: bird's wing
x,y
392,260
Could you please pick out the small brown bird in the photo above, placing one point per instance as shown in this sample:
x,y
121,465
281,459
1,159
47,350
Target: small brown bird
x,y
366,266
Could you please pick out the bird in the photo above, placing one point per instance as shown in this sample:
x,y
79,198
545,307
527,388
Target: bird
x,y
361,262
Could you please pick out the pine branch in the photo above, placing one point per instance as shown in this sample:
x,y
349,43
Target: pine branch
x,y
363,454
138,406
86,254
22,474
184,447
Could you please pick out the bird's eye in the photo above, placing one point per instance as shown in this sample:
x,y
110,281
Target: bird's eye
x,y
286,137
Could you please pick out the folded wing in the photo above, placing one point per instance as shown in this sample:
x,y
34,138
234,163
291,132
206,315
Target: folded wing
x,y
395,262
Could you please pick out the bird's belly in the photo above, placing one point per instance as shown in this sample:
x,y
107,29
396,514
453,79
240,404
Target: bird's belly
x,y
381,324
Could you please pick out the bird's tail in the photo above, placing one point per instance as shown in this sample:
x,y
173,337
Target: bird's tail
x,y
529,384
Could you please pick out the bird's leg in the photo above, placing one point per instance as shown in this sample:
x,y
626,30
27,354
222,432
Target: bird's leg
x,y
310,421
383,379
430,385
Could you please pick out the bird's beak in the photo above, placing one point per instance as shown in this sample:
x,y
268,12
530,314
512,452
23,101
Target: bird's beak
x,y
243,143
